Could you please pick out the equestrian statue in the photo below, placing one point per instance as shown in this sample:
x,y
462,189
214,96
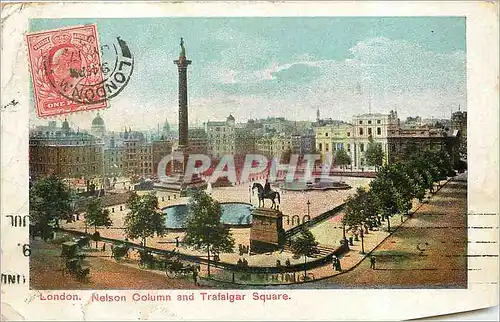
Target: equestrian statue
x,y
266,193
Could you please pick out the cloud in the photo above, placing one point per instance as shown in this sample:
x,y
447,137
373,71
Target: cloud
x,y
249,81
297,73
394,74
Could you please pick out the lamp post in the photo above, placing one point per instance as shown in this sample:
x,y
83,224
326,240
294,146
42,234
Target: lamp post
x,y
308,212
250,193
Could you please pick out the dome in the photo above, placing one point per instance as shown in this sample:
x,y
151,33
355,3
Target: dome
x,y
98,129
230,118
98,120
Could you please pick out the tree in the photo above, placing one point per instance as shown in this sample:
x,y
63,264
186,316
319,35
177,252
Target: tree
x,y
402,186
204,230
358,208
429,169
49,201
374,155
144,219
304,245
342,158
96,215
418,181
442,161
383,190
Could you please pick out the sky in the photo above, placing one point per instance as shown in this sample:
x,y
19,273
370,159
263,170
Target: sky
x,y
282,67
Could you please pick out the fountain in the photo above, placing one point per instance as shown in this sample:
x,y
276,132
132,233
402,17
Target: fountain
x,y
234,214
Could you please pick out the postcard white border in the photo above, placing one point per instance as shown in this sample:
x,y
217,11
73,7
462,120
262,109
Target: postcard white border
x,y
483,116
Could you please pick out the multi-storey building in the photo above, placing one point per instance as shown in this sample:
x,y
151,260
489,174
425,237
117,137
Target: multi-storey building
x,y
245,141
459,129
145,158
221,137
161,148
404,141
113,161
276,125
332,137
303,143
198,141
132,142
65,153
370,126
113,154
307,143
274,146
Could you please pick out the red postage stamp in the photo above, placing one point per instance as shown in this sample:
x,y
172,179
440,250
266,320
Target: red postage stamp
x,y
66,70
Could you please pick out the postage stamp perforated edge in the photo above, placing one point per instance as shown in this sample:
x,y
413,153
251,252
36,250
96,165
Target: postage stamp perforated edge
x,y
43,89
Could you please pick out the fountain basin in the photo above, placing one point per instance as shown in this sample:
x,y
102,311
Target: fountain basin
x,y
234,214
314,185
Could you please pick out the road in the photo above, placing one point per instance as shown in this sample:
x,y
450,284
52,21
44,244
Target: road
x,y
46,274
428,250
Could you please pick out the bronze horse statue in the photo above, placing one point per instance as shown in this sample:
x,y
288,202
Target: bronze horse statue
x,y
271,194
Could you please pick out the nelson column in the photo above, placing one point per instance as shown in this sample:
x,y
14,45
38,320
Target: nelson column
x,y
182,65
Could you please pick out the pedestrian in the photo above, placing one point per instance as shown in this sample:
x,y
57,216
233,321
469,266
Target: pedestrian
x,y
245,266
334,262
338,267
195,277
372,262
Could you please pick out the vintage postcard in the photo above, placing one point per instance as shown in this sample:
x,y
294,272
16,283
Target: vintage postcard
x,y
249,161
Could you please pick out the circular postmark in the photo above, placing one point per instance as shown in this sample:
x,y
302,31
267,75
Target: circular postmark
x,y
86,74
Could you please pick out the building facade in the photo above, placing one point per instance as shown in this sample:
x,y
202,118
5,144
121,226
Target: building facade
x,y
161,148
132,153
198,141
274,146
332,137
405,141
459,129
146,164
245,141
113,162
221,137
365,127
65,153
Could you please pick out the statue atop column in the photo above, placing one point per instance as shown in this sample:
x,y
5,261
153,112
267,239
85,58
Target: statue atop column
x,y
183,50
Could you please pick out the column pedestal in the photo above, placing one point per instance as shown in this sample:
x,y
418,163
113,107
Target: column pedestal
x,y
267,233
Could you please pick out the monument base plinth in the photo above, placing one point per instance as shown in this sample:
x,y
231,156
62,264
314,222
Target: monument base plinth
x,y
175,181
259,247
266,234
